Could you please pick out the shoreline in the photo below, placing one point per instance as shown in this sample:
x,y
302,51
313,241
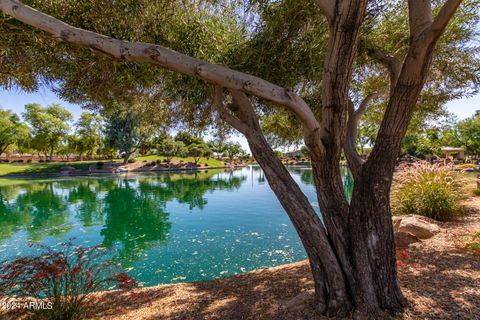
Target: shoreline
x,y
100,174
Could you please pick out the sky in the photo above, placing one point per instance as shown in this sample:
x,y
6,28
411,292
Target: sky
x,y
15,100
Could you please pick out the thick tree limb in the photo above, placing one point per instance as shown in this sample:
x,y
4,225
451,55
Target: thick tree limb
x,y
225,114
331,289
443,17
164,57
393,64
366,101
404,95
420,16
327,7
355,161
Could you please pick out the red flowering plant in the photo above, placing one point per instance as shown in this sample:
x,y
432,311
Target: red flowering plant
x,y
57,284
402,258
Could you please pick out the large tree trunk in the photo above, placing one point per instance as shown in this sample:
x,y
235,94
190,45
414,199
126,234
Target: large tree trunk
x,y
332,295
373,247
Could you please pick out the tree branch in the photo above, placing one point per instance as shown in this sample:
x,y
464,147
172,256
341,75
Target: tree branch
x,y
420,16
443,17
393,64
163,57
327,7
355,161
225,114
366,101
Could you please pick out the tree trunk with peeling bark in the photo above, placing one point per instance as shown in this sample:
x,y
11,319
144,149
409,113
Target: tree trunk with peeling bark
x,y
352,251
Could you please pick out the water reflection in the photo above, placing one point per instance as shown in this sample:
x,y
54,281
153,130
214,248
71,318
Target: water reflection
x,y
130,210
167,227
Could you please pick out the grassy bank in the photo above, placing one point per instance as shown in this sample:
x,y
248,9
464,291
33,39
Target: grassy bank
x,y
41,168
7,169
212,162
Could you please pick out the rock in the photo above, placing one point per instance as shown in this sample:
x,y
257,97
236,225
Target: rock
x,y
404,239
412,228
420,227
396,222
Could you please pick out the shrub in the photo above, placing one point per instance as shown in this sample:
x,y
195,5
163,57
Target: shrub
x,y
429,190
158,161
473,244
153,163
41,161
131,160
29,161
61,281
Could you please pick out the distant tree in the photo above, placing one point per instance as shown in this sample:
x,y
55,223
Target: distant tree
x,y
169,148
130,124
233,149
122,133
217,146
49,126
12,130
198,150
469,134
188,138
89,134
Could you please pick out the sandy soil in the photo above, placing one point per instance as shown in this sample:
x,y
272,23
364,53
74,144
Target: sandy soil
x,y
440,281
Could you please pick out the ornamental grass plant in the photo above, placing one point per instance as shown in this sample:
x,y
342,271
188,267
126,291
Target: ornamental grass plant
x,y
430,190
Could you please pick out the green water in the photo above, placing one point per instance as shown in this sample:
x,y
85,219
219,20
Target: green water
x,y
169,227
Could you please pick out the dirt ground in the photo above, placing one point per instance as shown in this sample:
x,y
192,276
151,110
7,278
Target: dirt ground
x,y
440,281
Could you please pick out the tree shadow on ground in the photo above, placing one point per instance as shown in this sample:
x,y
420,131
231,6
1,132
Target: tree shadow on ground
x,y
442,284
441,281
278,293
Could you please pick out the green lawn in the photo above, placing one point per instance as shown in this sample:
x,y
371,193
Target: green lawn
x,y
37,168
210,161
53,167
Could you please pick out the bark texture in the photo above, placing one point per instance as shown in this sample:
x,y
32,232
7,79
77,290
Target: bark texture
x,y
352,251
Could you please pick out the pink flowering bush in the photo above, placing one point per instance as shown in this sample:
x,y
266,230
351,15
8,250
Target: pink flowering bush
x,y
61,282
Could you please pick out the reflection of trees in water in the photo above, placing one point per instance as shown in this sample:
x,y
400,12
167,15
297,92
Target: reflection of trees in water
x,y
11,220
131,209
85,194
135,218
306,176
37,208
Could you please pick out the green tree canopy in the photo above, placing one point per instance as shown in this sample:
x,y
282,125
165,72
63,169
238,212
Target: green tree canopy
x,y
89,131
198,150
49,125
12,130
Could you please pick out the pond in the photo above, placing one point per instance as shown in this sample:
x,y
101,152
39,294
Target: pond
x,y
166,227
